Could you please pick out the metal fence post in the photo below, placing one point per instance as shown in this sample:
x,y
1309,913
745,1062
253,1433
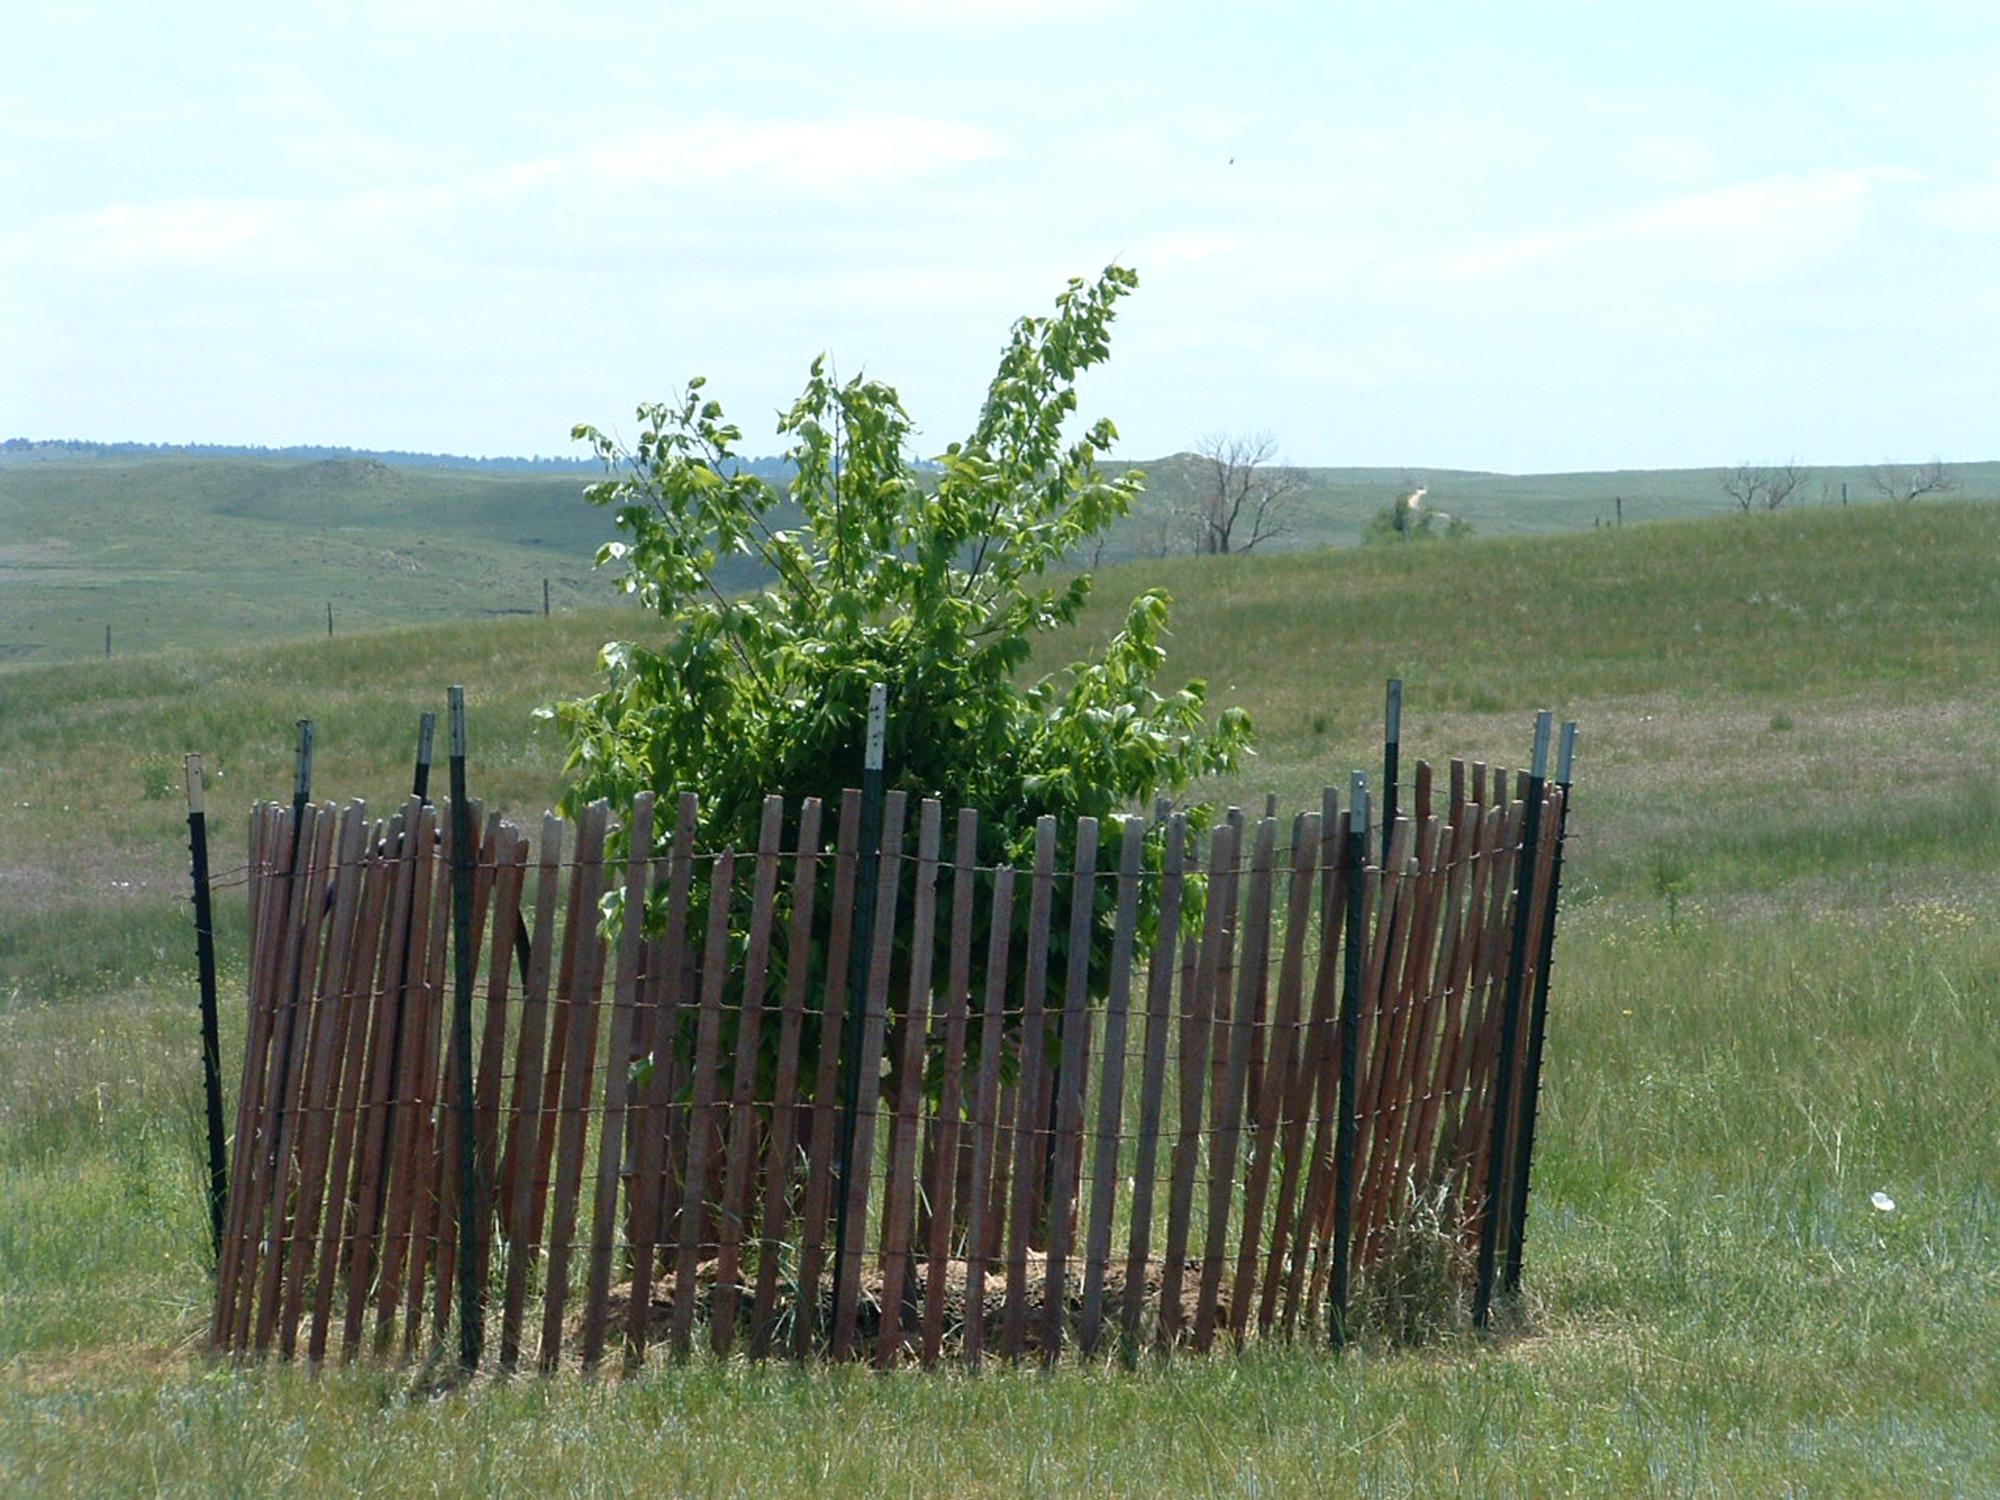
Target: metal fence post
x,y
1538,1016
211,1046
471,1305
1392,756
1350,1015
1491,1210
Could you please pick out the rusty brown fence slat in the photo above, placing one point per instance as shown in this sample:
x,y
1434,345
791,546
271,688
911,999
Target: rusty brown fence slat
x,y
578,1027
1152,1081
1028,1114
899,1186
617,1076
1073,1032
826,1074
1111,1085
517,1176
1197,1008
873,1021
948,1157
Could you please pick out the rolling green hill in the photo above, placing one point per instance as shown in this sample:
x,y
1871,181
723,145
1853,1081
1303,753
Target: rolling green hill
x,y
198,551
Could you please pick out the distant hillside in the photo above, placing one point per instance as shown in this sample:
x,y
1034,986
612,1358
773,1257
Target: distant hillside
x,y
191,551
1334,506
19,451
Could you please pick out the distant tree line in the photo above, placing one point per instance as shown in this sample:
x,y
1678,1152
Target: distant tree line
x,y
1757,487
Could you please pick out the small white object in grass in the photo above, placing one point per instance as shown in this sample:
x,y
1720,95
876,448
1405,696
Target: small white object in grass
x,y
1883,1202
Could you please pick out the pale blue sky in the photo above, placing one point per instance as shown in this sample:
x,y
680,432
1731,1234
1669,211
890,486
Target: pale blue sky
x,y
1525,236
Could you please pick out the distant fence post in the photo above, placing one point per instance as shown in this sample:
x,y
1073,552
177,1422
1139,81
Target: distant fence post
x,y
107,643
860,954
1345,1120
1492,1213
211,1045
471,1310
545,598
1538,1017
1392,755
329,617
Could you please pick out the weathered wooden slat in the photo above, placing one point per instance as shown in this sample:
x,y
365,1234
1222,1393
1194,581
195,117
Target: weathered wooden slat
x,y
1435,985
337,1219
1111,1086
826,1078
399,1146
1152,1080
383,1078
1321,1203
1483,1027
579,1028
1070,1080
524,1123
873,1022
579,922
1405,989
986,1144
424,1204
1225,987
510,881
702,1107
1197,1010
617,1082
726,1298
666,1003
271,836
1222,1157
1380,997
1468,901
947,1157
325,1049
1028,1112
445,1141
272,1201
1293,1217
899,1184
780,1169
1281,1052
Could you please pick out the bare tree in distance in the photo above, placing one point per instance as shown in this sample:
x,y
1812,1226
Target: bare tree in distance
x,y
1243,496
1907,481
1762,486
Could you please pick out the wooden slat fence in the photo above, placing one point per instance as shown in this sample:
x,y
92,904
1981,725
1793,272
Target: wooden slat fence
x,y
1103,1093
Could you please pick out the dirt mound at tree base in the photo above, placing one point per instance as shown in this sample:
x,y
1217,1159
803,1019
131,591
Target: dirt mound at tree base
x,y
868,1310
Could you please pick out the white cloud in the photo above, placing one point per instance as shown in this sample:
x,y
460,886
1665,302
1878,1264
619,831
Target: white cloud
x,y
1743,232
832,156
1971,208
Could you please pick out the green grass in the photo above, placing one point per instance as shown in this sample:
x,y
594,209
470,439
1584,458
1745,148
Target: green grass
x,y
1776,990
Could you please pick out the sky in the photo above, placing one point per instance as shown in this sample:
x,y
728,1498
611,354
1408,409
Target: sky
x,y
1538,236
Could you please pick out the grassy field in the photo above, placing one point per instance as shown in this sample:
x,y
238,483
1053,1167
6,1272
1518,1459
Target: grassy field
x,y
1776,994
197,552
